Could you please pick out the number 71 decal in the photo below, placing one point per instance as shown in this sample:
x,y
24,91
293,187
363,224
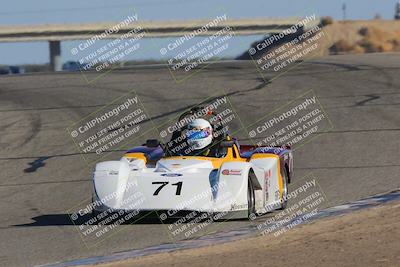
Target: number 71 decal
x,y
162,184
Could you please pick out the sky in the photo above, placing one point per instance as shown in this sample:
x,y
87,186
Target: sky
x,y
28,12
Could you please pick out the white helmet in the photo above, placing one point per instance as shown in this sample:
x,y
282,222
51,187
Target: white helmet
x,y
199,134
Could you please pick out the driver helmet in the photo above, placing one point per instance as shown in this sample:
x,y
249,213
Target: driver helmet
x,y
199,134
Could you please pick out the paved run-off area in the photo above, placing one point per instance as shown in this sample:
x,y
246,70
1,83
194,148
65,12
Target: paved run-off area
x,y
43,176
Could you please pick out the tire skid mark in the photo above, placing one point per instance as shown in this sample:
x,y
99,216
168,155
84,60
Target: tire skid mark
x,y
36,124
371,97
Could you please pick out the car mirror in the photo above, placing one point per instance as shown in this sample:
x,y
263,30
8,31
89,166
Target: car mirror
x,y
152,143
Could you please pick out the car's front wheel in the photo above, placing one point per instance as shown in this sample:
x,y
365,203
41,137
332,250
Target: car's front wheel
x,y
251,199
284,189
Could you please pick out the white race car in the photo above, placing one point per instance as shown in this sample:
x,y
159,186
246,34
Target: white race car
x,y
241,181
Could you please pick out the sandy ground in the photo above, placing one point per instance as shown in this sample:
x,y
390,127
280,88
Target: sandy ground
x,y
365,238
350,32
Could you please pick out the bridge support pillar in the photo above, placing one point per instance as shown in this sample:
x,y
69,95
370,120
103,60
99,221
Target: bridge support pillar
x,y
55,55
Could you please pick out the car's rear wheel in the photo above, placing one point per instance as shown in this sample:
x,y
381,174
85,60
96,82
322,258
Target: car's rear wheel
x,y
95,212
251,199
284,189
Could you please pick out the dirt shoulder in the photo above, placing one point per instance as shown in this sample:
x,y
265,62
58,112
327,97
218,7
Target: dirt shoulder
x,y
365,238
367,36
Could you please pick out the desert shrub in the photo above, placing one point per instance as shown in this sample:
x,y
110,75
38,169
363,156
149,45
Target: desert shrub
x,y
376,40
341,46
326,21
363,31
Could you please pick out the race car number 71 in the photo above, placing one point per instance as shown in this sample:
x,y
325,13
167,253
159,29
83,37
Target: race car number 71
x,y
162,184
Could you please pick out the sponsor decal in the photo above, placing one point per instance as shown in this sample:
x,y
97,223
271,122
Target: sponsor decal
x,y
267,174
171,174
232,172
175,165
239,207
277,194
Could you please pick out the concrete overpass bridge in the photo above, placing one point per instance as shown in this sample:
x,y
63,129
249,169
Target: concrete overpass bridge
x,y
54,34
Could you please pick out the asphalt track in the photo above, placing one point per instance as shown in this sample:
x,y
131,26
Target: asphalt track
x,y
43,175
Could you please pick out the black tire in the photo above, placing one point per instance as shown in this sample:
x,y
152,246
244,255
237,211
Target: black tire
x,y
289,177
94,212
285,189
251,199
